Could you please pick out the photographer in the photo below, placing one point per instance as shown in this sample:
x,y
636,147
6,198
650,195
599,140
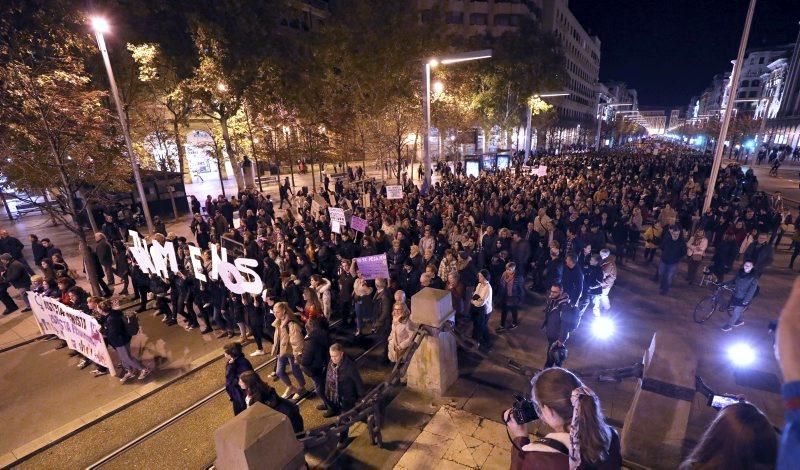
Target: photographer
x,y
581,437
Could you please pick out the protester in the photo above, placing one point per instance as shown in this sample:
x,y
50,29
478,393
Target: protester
x,y
673,250
17,276
560,319
343,385
403,331
481,309
287,346
510,295
256,391
745,286
315,357
235,365
119,338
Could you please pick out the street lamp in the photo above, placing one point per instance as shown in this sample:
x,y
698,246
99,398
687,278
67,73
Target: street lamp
x,y
100,26
546,94
426,73
600,111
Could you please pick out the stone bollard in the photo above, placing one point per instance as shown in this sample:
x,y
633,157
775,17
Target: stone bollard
x,y
258,437
434,366
655,426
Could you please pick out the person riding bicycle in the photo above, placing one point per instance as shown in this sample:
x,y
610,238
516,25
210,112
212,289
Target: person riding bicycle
x,y
745,286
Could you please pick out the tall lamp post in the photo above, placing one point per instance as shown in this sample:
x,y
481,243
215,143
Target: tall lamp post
x,y
723,128
546,94
100,26
426,74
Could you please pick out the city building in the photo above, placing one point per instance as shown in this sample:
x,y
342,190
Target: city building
x,y
785,127
483,17
577,113
749,93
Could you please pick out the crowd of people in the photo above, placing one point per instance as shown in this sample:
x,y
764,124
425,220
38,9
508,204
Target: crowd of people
x,y
493,242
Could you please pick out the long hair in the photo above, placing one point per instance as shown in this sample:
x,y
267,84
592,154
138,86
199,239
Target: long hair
x,y
257,389
313,299
553,387
739,437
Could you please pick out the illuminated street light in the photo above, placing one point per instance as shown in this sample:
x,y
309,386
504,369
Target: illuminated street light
x,y
600,107
222,87
100,26
741,355
545,94
426,74
438,87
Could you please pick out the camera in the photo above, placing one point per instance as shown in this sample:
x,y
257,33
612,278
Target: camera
x,y
523,410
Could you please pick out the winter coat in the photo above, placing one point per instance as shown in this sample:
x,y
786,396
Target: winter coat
x,y
652,237
572,282
560,319
233,370
17,276
695,247
609,273
593,279
104,253
324,294
400,338
672,251
517,290
116,332
315,353
760,255
744,287
349,386
288,339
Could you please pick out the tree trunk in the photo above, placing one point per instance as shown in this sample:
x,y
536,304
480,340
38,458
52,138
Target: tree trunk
x,y
235,164
183,165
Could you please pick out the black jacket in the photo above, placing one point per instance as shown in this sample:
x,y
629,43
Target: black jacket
x,y
348,384
17,276
382,304
560,319
315,355
116,333
572,281
232,372
11,246
672,251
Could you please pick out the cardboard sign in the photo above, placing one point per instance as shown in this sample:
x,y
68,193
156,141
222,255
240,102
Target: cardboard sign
x,y
394,192
335,227
337,215
358,224
373,267
79,330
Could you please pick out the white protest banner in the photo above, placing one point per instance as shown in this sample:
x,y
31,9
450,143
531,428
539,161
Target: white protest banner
x,y
337,215
373,267
541,170
79,330
394,192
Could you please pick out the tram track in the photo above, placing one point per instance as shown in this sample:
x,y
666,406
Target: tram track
x,y
207,413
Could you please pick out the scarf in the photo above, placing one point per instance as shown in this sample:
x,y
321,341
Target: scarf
x,y
574,429
331,384
508,278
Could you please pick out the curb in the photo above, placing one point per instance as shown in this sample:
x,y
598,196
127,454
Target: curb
x,y
39,445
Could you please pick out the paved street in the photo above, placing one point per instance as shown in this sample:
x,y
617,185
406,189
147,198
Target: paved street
x,y
483,388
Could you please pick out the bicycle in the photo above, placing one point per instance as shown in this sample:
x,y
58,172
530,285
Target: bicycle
x,y
708,305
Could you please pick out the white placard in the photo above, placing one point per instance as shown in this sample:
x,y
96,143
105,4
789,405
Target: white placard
x,y
337,215
394,192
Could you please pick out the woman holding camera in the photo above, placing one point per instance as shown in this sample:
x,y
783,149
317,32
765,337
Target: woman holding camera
x,y
581,437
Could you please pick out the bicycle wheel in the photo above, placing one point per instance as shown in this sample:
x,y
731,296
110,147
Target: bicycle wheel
x,y
704,309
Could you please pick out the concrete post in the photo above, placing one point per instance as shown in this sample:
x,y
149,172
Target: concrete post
x,y
434,366
259,437
655,426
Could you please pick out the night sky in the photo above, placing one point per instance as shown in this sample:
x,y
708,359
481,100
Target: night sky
x,y
670,49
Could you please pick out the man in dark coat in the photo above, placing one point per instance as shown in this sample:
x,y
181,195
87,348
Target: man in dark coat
x,y
673,250
16,275
560,319
111,230
343,385
105,255
572,280
13,247
744,285
382,303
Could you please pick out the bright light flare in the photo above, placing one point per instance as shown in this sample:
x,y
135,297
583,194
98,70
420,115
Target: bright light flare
x,y
603,328
222,87
100,24
438,87
741,355
433,63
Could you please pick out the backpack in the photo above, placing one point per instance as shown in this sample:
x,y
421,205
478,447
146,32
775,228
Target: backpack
x,y
131,324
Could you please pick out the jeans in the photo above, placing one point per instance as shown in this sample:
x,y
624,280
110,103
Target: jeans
x,y
361,312
737,312
129,363
280,371
480,326
666,272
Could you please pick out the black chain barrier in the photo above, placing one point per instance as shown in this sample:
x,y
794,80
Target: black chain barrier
x,y
368,408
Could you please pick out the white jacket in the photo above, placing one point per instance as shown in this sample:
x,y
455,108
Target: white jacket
x,y
324,294
484,293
